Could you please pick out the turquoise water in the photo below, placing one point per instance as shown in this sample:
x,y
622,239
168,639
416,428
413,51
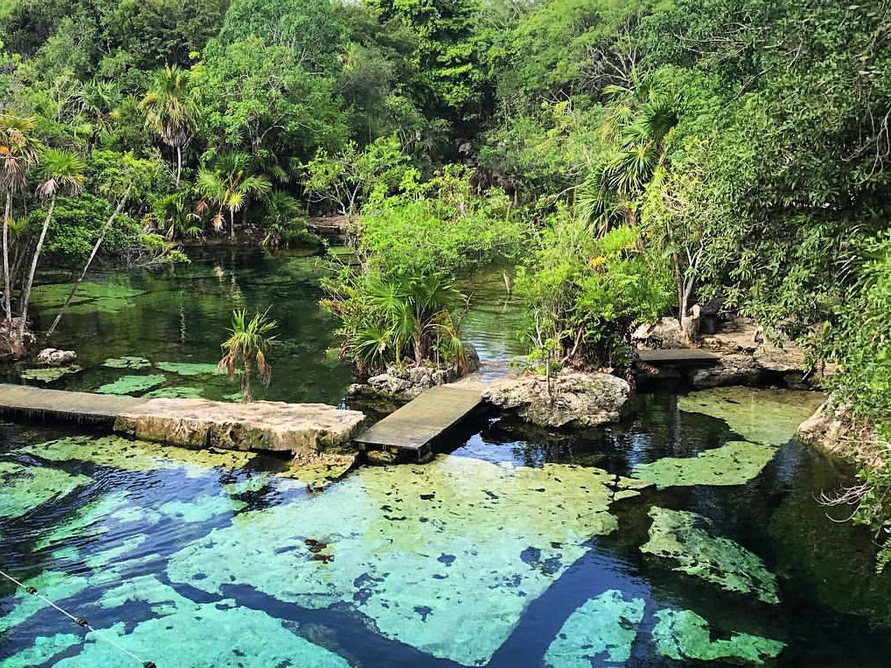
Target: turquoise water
x,y
514,547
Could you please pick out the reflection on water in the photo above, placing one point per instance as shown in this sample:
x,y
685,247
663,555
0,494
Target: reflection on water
x,y
517,548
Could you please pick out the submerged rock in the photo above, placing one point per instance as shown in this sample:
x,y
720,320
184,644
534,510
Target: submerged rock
x,y
56,357
734,463
260,425
398,539
26,487
682,538
684,635
576,399
132,385
761,415
603,628
49,374
127,362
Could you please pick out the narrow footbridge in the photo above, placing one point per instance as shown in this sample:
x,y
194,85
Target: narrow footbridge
x,y
416,425
677,357
80,407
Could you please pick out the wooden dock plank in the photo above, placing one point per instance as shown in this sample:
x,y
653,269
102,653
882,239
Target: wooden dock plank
x,y
421,420
63,405
691,356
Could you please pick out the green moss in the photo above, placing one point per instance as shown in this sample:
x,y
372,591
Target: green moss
x,y
54,586
734,463
603,628
127,362
189,368
49,374
132,384
174,393
766,416
682,538
26,487
128,455
684,635
43,650
219,634
416,549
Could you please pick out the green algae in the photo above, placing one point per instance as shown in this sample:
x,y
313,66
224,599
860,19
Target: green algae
x,y
43,650
189,368
392,542
734,463
604,627
219,634
26,487
111,555
88,521
122,453
766,416
682,634
49,374
682,538
53,585
127,362
132,384
175,392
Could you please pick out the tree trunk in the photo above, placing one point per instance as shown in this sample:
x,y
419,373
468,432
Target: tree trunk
x,y
179,163
231,223
7,287
26,289
246,382
86,268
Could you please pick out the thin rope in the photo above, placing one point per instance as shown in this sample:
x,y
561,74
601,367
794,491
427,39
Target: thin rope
x,y
83,623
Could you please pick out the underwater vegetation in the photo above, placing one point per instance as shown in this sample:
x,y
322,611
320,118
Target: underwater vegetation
x,y
49,374
27,487
683,538
734,463
132,384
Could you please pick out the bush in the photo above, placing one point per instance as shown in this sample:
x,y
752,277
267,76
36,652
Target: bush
x,y
585,294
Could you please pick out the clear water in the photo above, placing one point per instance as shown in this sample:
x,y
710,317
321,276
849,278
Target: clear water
x,y
510,549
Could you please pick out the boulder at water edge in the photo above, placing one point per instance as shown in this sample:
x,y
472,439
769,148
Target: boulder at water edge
x,y
575,400
54,357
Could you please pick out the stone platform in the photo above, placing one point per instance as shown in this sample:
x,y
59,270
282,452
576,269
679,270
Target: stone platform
x,y
302,429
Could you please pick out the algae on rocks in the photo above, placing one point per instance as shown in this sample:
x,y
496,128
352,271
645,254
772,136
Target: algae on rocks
x,y
684,635
682,538
388,541
604,627
734,463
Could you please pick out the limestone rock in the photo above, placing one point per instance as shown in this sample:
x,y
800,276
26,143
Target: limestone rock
x,y
579,399
732,369
666,333
259,425
410,381
55,357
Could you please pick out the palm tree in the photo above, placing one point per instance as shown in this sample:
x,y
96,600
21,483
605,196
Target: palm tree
x,y
170,111
59,171
229,186
18,151
248,343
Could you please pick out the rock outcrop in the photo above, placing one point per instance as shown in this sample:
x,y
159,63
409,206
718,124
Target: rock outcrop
x,y
55,357
303,429
410,381
575,400
666,333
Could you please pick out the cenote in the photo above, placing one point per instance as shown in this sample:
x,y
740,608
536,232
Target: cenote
x,y
513,547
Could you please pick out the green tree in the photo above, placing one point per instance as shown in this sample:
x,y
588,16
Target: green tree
x,y
248,344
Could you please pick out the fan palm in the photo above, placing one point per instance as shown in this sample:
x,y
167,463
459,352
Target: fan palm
x,y
248,344
170,111
59,171
229,185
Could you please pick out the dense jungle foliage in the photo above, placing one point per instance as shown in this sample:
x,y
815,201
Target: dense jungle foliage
x,y
633,157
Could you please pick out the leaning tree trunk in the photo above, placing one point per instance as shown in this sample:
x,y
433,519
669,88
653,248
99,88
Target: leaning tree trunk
x,y
7,294
29,281
86,268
